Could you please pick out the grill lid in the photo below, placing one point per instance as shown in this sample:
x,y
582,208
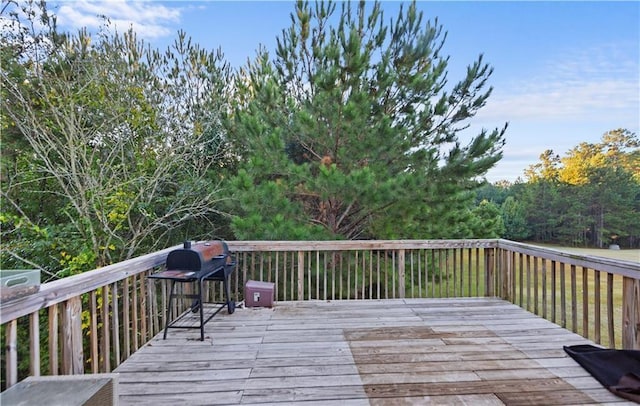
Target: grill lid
x,y
202,256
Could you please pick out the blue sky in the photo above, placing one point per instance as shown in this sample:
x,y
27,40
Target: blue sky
x,y
565,72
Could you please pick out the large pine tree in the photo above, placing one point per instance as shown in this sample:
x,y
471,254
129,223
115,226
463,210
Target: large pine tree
x,y
352,130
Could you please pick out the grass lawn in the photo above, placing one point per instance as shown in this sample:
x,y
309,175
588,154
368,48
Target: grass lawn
x,y
623,254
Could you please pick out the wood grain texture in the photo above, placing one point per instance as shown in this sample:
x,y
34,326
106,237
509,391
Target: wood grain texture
x,y
380,352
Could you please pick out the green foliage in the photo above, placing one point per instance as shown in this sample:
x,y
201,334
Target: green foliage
x,y
514,218
487,222
494,192
114,148
590,197
351,132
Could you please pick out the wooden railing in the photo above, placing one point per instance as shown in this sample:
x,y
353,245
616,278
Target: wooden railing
x,y
94,321
596,297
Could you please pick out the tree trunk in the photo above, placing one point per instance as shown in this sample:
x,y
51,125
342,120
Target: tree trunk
x,y
600,227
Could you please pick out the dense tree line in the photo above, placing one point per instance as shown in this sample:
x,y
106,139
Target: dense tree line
x,y
112,148
590,197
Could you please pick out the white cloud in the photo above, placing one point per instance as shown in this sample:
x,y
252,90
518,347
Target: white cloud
x,y
149,19
584,84
558,100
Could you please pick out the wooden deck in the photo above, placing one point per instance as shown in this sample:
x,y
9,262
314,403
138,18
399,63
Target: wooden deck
x,y
427,351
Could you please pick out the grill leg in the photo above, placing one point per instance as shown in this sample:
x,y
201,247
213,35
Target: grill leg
x,y
201,282
168,316
227,292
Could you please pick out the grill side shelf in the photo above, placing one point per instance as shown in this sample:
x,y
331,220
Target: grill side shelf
x,y
181,274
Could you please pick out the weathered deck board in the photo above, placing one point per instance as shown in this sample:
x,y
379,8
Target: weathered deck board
x,y
430,351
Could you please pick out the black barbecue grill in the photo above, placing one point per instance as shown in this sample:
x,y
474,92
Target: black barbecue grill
x,y
195,264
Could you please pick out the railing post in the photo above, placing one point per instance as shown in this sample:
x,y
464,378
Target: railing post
x,y
489,271
72,356
300,275
12,352
501,272
34,343
106,329
630,313
401,274
54,334
507,274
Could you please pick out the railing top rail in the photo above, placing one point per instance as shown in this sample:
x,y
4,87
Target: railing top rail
x,y
615,266
354,245
58,291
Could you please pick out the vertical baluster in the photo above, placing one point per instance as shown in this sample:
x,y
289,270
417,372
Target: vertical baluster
x,y
106,341
610,319
11,352
513,276
364,267
460,251
300,275
309,272
553,291
72,355
411,252
277,271
574,301
433,273
454,266
446,271
520,279
386,274
596,311
630,313
262,266
318,279
470,269
477,268
585,302
528,265
378,281
54,345
544,288
116,323
134,316
325,276
126,321
348,255
401,274
563,296
93,331
153,299
536,262
34,343
334,258
292,285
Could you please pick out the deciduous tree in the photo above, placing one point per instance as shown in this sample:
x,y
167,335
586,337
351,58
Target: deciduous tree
x,y
120,140
591,196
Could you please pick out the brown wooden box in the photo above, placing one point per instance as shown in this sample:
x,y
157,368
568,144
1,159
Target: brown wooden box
x,y
259,294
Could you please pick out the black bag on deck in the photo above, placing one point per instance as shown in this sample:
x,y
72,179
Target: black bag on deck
x,y
616,370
